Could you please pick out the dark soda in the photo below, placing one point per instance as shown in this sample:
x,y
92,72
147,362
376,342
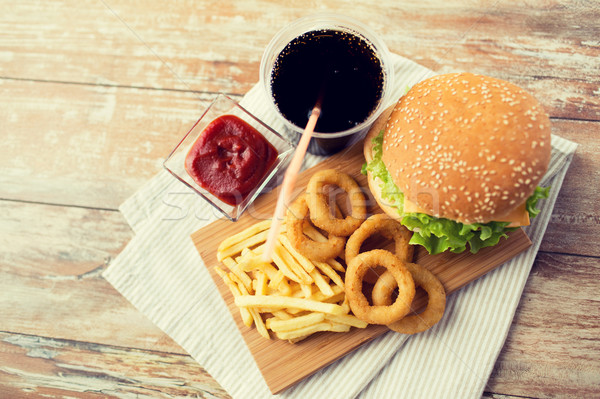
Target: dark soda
x,y
340,67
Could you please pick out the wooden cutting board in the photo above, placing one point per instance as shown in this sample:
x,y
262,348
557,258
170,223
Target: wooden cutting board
x,y
283,364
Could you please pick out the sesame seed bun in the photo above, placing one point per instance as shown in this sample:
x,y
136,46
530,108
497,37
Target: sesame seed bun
x,y
466,147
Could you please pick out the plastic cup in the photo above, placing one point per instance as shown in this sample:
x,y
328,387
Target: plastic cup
x,y
330,142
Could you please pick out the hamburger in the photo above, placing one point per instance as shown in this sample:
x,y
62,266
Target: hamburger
x,y
458,161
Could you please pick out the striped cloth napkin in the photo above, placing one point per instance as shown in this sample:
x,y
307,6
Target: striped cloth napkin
x,y
161,273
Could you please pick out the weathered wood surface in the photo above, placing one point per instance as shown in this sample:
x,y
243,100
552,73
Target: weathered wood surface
x,y
52,260
547,352
575,221
552,349
547,46
36,366
95,94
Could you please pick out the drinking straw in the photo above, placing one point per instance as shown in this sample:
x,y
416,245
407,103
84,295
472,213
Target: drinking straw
x,y
289,180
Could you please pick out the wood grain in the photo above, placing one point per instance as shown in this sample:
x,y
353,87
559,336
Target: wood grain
x,y
566,362
575,222
51,261
35,367
282,364
207,46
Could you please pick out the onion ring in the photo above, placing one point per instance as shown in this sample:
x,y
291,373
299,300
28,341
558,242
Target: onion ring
x,y
319,208
378,314
382,295
387,227
319,251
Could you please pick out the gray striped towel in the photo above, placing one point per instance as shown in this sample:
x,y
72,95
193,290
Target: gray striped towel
x,y
161,273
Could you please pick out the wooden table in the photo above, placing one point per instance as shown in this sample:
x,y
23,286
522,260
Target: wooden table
x,y
94,94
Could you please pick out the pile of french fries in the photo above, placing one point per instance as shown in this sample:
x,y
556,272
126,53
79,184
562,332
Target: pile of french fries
x,y
291,296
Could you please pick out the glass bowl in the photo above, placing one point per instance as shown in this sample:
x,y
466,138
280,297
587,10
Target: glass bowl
x,y
224,105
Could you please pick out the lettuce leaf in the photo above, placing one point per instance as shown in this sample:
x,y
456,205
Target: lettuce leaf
x,y
389,191
531,203
438,235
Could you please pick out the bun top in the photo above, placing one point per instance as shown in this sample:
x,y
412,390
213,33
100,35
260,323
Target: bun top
x,y
467,147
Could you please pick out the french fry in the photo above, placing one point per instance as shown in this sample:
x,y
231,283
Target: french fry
x,y
281,314
321,284
235,269
346,304
294,323
306,290
251,262
338,295
259,249
243,235
334,299
293,264
276,280
347,319
320,297
220,272
258,321
295,312
284,287
256,241
235,291
261,283
312,233
329,272
303,260
306,331
248,251
302,292
246,243
265,310
336,265
302,296
284,268
288,302
260,325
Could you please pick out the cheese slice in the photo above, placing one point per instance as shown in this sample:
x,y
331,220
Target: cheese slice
x,y
411,207
518,217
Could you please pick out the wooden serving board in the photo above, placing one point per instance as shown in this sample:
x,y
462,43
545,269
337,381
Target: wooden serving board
x,y
283,364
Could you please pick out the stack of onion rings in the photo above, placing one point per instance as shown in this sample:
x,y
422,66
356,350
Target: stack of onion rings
x,y
297,214
320,211
382,296
318,207
383,311
379,314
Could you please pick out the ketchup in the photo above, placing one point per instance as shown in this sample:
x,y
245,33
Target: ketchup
x,y
229,159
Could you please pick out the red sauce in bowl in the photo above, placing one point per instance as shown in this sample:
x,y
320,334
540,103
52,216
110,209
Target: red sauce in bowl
x,y
229,159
